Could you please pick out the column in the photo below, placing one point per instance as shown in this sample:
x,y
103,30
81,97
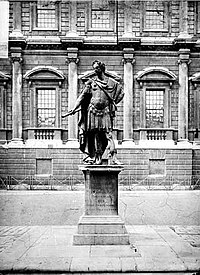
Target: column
x,y
128,96
72,19
16,58
17,23
3,106
183,21
3,123
72,60
183,62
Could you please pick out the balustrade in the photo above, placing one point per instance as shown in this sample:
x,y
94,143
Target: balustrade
x,y
42,134
156,134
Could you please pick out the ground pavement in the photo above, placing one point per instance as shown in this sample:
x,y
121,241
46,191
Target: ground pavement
x,y
49,249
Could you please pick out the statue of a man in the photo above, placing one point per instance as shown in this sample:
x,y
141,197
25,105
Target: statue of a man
x,y
98,102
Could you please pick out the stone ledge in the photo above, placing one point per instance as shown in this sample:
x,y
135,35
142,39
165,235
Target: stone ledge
x,y
101,239
101,229
101,225
101,220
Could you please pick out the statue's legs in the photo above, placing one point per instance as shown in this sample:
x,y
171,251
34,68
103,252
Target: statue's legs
x,y
111,151
98,143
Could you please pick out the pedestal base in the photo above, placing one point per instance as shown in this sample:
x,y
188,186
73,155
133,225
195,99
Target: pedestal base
x,y
101,230
101,224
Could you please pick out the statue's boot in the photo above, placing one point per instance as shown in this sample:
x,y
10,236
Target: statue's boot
x,y
98,158
88,160
114,159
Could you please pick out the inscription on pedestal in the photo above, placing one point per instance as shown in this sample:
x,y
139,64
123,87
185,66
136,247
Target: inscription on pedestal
x,y
101,193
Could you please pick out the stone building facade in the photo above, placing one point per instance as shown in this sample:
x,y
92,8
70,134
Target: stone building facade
x,y
151,47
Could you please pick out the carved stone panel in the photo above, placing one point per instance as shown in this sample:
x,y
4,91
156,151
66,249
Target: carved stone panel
x,y
101,193
101,190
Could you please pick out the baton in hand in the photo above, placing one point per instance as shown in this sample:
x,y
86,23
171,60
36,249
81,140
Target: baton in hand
x,y
70,113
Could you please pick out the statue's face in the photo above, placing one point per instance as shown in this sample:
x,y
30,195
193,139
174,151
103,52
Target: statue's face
x,y
97,68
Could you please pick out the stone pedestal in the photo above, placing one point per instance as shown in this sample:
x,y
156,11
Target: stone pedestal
x,y
101,224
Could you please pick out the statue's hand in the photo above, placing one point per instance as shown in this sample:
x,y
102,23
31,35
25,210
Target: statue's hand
x,y
89,82
71,112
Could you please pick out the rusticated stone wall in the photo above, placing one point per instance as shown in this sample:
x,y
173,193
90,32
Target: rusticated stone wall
x,y
140,165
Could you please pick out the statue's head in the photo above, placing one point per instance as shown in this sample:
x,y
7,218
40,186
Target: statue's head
x,y
98,66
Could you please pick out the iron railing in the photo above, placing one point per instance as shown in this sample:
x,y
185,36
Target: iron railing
x,y
160,183
38,182
71,183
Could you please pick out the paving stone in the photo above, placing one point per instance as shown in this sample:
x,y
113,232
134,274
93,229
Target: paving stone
x,y
168,235
96,264
159,249
191,263
114,251
187,230
147,239
128,264
182,248
193,240
44,264
6,263
16,249
154,258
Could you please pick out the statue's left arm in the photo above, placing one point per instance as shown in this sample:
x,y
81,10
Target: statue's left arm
x,y
119,93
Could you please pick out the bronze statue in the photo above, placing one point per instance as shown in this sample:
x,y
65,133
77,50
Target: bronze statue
x,y
97,103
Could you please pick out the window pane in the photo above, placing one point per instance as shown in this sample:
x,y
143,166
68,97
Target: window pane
x,y
46,107
100,14
46,14
155,17
100,19
154,108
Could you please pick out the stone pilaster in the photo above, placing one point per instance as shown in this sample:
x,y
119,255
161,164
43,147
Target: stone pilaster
x,y
128,61
128,19
17,22
183,62
3,106
72,19
183,21
16,58
72,60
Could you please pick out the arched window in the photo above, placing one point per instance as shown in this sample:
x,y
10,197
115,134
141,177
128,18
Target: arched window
x,y
155,107
44,84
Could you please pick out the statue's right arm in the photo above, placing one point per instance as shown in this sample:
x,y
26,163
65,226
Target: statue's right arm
x,y
81,97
